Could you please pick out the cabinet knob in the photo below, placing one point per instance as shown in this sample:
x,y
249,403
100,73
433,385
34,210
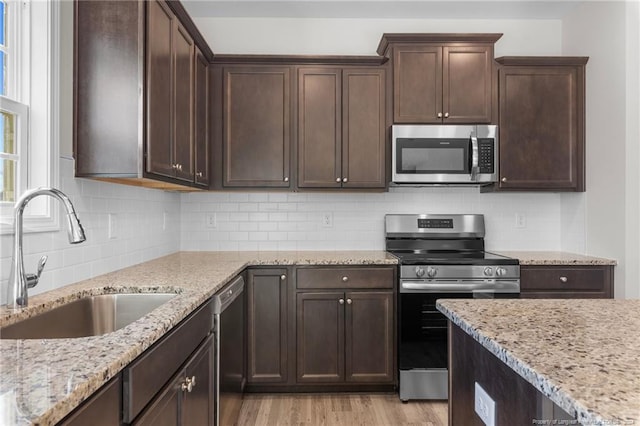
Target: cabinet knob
x,y
338,180
563,279
199,174
188,384
344,180
283,277
504,179
439,115
349,301
174,166
446,115
341,301
286,179
345,279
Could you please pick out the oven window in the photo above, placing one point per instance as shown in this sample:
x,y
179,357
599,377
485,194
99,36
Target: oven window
x,y
420,156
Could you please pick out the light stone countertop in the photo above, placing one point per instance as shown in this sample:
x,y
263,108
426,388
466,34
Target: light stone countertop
x,y
582,354
559,258
41,381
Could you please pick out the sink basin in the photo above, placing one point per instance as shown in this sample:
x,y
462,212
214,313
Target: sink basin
x,y
89,316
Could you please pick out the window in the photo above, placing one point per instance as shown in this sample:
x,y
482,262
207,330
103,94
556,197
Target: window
x,y
29,105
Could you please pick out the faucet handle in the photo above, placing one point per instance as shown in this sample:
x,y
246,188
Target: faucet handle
x,y
32,279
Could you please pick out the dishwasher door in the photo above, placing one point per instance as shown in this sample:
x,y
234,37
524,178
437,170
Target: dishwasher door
x,y
230,352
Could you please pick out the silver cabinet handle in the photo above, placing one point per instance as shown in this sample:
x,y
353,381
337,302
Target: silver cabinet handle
x,y
341,301
199,174
349,301
345,279
174,166
338,180
188,384
439,115
563,279
504,179
446,115
286,179
283,277
344,180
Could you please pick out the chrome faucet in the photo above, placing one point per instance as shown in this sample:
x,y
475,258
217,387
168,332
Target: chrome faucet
x,y
19,281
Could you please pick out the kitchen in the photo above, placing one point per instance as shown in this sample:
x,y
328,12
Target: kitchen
x,y
128,225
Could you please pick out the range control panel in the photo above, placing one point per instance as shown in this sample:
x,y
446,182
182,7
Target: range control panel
x,y
435,223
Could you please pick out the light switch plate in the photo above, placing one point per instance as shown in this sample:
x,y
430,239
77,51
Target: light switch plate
x,y
485,406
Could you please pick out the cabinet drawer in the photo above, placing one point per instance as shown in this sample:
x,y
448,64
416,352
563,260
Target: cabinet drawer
x,y
345,278
157,365
561,281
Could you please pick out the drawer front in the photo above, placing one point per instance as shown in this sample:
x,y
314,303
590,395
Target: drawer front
x,y
147,375
345,278
101,409
587,281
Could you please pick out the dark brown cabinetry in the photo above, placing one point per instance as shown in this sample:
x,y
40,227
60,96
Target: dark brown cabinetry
x,y
541,124
256,137
122,133
566,282
101,409
345,327
201,120
267,322
442,78
341,128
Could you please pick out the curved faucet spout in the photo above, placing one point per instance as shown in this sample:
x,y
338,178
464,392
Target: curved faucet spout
x,y
19,281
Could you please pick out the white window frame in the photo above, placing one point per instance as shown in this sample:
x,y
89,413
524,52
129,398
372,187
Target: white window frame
x,y
38,87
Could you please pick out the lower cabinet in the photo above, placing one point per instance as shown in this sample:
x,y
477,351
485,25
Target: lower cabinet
x,y
345,337
566,282
188,398
101,409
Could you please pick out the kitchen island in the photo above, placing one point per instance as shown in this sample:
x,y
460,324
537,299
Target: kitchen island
x,y
582,355
42,380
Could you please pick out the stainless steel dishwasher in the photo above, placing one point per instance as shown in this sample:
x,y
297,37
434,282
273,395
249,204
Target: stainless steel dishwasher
x,y
230,377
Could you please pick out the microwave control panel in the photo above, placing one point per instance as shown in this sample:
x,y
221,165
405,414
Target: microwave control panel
x,y
486,155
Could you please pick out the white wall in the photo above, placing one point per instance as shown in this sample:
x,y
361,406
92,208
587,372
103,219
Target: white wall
x,y
598,30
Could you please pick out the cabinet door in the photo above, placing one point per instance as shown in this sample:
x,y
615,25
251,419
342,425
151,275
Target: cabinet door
x,y
101,409
467,84
197,408
201,121
363,129
320,337
369,337
541,128
267,326
319,128
183,54
256,136
417,84
159,138
164,411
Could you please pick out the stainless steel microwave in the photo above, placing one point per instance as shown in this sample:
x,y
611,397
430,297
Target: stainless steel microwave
x,y
444,154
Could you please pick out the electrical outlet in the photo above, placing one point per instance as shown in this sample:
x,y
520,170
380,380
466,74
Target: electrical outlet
x,y
113,226
210,220
327,220
485,406
521,220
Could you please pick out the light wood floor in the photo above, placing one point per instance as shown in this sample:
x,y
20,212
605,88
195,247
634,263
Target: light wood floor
x,y
339,409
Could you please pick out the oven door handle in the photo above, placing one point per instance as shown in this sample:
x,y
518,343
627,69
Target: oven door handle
x,y
506,286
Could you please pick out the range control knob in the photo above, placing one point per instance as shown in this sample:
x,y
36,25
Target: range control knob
x,y
488,271
419,272
501,272
431,271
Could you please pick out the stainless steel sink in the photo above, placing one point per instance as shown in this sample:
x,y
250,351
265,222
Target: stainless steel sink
x,y
89,316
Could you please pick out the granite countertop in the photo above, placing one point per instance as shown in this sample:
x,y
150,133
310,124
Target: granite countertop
x,y
581,354
559,258
41,381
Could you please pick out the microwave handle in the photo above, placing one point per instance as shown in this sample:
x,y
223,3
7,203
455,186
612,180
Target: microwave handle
x,y
475,166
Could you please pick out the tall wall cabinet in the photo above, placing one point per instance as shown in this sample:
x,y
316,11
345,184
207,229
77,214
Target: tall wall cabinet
x,y
137,65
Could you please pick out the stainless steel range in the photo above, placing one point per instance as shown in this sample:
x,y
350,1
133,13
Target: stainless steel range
x,y
441,256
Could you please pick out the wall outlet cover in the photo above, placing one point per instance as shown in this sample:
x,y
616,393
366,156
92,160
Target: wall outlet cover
x,y
485,406
211,220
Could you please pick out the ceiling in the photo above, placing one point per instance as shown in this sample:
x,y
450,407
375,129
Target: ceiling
x,y
376,9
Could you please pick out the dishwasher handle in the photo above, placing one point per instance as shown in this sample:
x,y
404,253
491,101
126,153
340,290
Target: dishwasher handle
x,y
226,296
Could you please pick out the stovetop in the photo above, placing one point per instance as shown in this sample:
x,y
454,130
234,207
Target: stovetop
x,y
452,258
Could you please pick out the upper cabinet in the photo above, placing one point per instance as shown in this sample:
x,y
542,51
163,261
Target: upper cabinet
x,y
442,78
341,128
256,137
201,117
136,79
542,114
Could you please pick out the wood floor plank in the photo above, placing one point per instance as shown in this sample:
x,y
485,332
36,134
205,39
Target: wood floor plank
x,y
339,410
